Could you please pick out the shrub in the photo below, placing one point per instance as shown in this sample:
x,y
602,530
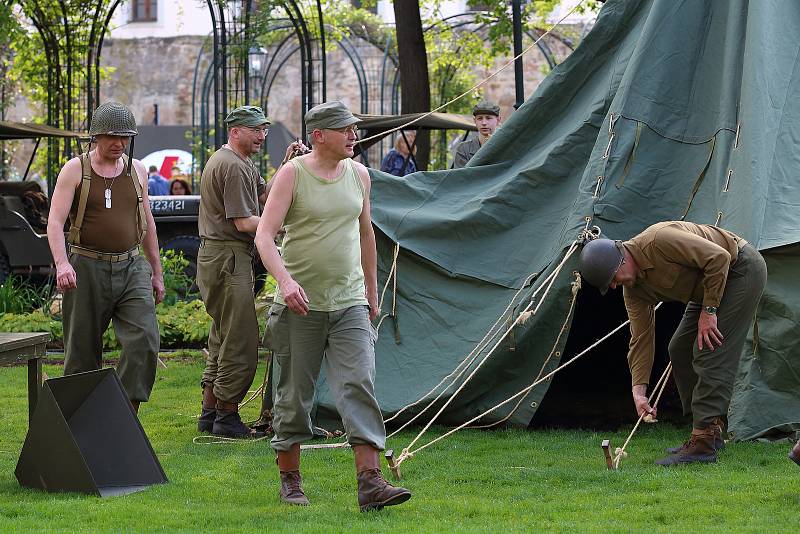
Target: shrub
x,y
18,295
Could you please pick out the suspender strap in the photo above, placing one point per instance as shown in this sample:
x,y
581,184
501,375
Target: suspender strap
x,y
137,186
74,237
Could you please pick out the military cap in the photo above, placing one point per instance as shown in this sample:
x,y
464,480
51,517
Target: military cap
x,y
330,115
486,107
247,116
113,118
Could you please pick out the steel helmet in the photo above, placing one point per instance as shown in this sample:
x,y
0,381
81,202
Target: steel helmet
x,y
113,118
599,262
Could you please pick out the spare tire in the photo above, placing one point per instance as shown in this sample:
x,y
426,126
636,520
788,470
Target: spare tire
x,y
189,245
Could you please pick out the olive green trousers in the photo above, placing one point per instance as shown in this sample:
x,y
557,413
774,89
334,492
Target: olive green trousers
x,y
225,279
123,292
705,378
345,341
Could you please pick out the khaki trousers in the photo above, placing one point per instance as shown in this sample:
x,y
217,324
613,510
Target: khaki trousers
x,y
225,279
705,377
121,291
345,341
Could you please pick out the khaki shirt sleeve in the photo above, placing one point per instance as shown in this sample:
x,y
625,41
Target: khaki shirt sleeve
x,y
239,193
691,250
262,186
641,350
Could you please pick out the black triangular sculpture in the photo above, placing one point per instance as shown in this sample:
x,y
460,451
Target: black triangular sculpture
x,y
85,437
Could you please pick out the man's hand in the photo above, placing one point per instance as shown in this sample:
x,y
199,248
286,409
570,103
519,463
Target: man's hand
x,y
640,400
65,277
708,335
295,149
158,288
294,296
374,310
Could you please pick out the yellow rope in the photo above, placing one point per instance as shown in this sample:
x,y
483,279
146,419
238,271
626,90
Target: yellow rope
x,y
576,286
408,453
477,85
569,253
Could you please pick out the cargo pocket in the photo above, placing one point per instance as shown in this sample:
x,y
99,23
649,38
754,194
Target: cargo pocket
x,y
276,335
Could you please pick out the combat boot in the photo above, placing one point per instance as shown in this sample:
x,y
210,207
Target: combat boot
x,y
720,431
291,481
374,492
698,449
292,488
229,424
208,411
794,454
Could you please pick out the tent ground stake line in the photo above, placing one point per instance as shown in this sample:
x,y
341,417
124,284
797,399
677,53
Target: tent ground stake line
x,y
393,467
606,445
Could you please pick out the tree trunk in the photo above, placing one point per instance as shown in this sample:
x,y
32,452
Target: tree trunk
x,y
415,88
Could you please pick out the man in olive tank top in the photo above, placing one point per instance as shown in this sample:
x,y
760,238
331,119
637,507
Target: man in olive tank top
x,y
102,275
327,281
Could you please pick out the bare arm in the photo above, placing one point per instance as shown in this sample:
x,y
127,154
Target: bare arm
x,y
247,225
278,203
68,180
369,254
150,242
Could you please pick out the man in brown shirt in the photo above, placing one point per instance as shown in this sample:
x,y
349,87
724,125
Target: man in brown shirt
x,y
721,278
231,195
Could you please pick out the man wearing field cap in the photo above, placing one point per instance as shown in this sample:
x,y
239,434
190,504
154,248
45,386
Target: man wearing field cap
x,y
327,297
487,118
101,273
231,195
720,277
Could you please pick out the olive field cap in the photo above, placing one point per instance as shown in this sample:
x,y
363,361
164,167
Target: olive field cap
x,y
486,107
600,259
113,118
247,116
330,115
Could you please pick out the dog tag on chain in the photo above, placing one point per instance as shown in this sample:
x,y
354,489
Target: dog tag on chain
x,y
107,194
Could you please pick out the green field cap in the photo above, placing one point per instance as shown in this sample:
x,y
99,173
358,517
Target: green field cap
x,y
486,107
330,115
246,116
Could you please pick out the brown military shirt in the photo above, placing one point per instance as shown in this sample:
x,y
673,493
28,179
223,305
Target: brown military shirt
x,y
678,261
229,189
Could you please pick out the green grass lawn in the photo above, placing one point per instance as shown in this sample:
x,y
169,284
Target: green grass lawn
x,y
476,481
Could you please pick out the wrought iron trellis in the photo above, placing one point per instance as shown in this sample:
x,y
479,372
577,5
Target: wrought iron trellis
x,y
233,37
72,34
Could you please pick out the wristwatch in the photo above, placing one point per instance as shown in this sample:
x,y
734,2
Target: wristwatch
x,y
711,310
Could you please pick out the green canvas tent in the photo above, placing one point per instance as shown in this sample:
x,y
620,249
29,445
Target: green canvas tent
x,y
668,108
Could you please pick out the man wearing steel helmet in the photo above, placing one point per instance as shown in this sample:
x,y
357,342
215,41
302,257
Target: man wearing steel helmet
x,y
328,294
720,277
487,119
231,195
102,275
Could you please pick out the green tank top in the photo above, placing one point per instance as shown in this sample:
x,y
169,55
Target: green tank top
x,y
322,245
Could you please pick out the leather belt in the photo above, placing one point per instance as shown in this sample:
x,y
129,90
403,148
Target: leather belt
x,y
112,257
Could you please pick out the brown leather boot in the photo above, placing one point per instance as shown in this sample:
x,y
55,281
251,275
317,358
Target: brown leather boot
x,y
374,492
291,481
699,448
794,454
292,489
719,425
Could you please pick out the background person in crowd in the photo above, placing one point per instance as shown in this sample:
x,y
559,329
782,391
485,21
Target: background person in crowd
x,y
156,184
487,118
179,186
399,160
